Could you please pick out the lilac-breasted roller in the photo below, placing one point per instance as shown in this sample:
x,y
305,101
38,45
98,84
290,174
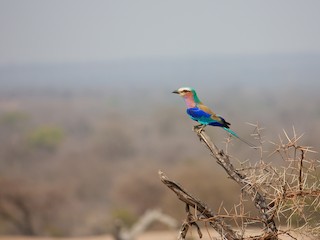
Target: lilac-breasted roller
x,y
197,111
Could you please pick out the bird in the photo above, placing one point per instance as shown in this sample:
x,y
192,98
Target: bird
x,y
202,114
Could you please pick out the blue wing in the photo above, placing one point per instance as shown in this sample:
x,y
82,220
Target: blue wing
x,y
203,117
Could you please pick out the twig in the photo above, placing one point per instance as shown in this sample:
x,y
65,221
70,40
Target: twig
x,y
301,169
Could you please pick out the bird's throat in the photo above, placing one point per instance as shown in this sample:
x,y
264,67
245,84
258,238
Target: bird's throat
x,y
189,100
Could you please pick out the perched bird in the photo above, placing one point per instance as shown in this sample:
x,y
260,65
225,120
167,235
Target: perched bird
x,y
197,111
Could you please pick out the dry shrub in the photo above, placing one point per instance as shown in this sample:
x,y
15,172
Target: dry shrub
x,y
286,195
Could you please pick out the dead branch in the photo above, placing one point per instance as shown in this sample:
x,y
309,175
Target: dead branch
x,y
247,186
204,212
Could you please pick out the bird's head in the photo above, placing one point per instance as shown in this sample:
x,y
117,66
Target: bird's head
x,y
185,91
188,93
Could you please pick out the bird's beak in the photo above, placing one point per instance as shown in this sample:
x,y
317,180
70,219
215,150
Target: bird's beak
x,y
175,91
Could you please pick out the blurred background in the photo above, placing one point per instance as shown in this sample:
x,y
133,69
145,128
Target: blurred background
x,y
87,117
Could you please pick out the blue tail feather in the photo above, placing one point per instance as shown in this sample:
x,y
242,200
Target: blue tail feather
x,y
241,139
231,132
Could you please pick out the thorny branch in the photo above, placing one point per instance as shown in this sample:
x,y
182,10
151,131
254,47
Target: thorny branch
x,y
290,193
258,199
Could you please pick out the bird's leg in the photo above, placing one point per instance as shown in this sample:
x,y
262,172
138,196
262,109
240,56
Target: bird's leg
x,y
202,127
197,126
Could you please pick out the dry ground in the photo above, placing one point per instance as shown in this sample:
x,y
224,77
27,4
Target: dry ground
x,y
152,235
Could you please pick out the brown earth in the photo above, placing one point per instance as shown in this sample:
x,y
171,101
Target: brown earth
x,y
151,235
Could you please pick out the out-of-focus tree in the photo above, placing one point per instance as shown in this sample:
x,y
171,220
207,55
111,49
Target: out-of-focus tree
x,y
46,137
13,118
27,210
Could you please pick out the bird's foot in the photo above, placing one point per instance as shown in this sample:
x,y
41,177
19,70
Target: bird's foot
x,y
199,128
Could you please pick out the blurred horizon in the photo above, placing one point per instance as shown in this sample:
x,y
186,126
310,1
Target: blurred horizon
x,y
214,68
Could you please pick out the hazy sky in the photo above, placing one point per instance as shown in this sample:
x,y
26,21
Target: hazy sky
x,y
78,30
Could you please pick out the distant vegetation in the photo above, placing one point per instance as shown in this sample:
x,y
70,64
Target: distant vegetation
x,y
46,137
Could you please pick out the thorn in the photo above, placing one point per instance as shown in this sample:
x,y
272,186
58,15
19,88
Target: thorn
x,y
285,133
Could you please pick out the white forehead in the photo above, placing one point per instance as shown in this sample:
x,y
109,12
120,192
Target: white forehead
x,y
184,89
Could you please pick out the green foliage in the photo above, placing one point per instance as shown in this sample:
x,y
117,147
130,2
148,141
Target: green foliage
x,y
46,137
12,118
